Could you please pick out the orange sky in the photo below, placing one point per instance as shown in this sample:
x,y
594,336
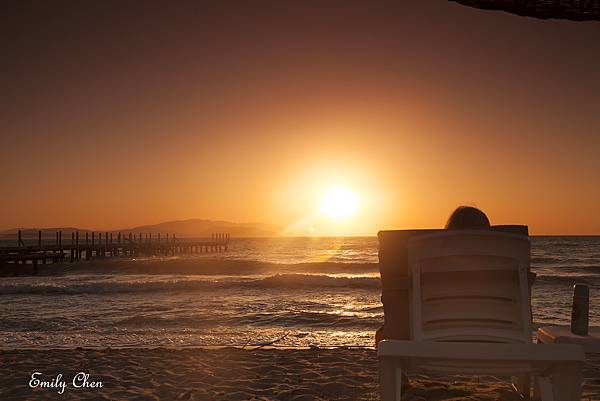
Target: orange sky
x,y
116,117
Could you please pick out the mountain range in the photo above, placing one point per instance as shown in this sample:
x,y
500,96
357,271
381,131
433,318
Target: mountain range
x,y
181,228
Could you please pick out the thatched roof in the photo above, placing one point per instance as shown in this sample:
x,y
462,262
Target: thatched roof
x,y
578,10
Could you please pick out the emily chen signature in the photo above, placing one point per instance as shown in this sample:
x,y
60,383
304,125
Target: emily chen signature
x,y
80,380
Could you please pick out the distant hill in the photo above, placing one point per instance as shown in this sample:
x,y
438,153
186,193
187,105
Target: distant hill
x,y
204,228
181,228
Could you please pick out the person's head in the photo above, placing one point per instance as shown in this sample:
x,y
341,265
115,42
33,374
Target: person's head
x,y
467,217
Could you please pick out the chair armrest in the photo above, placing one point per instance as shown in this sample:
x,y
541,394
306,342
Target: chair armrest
x,y
481,351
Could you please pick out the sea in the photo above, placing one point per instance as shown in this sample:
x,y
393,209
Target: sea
x,y
308,292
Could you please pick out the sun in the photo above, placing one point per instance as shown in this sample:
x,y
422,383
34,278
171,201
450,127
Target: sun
x,y
339,203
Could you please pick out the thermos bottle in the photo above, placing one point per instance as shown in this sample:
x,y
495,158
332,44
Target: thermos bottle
x,y
581,309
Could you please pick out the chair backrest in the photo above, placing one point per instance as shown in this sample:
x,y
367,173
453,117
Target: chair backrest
x,y
470,285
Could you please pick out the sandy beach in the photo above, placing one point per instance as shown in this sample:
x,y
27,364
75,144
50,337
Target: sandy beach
x,y
236,374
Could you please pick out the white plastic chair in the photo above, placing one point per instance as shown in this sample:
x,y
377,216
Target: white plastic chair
x,y
470,314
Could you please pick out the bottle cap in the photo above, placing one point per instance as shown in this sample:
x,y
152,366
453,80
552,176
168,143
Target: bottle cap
x,y
581,290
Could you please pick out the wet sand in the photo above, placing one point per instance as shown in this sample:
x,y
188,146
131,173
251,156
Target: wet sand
x,y
236,374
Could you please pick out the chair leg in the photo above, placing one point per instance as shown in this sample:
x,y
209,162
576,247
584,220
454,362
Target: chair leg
x,y
545,389
566,382
522,385
390,380
537,396
398,383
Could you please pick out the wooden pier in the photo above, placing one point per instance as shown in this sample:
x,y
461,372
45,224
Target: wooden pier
x,y
92,245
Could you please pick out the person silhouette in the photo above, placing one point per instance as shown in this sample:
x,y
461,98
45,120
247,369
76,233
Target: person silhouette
x,y
467,217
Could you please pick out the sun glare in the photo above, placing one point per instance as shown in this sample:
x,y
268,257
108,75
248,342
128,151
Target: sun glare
x,y
339,203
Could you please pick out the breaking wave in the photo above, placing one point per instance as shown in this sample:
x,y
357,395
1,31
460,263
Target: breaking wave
x,y
201,266
157,284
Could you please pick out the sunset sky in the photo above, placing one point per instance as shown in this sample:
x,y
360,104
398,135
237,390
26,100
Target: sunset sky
x,y
127,113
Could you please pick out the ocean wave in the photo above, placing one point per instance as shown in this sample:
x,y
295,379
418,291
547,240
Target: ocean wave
x,y
201,266
589,279
563,261
151,284
288,319
544,260
96,287
314,319
161,322
310,280
302,318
